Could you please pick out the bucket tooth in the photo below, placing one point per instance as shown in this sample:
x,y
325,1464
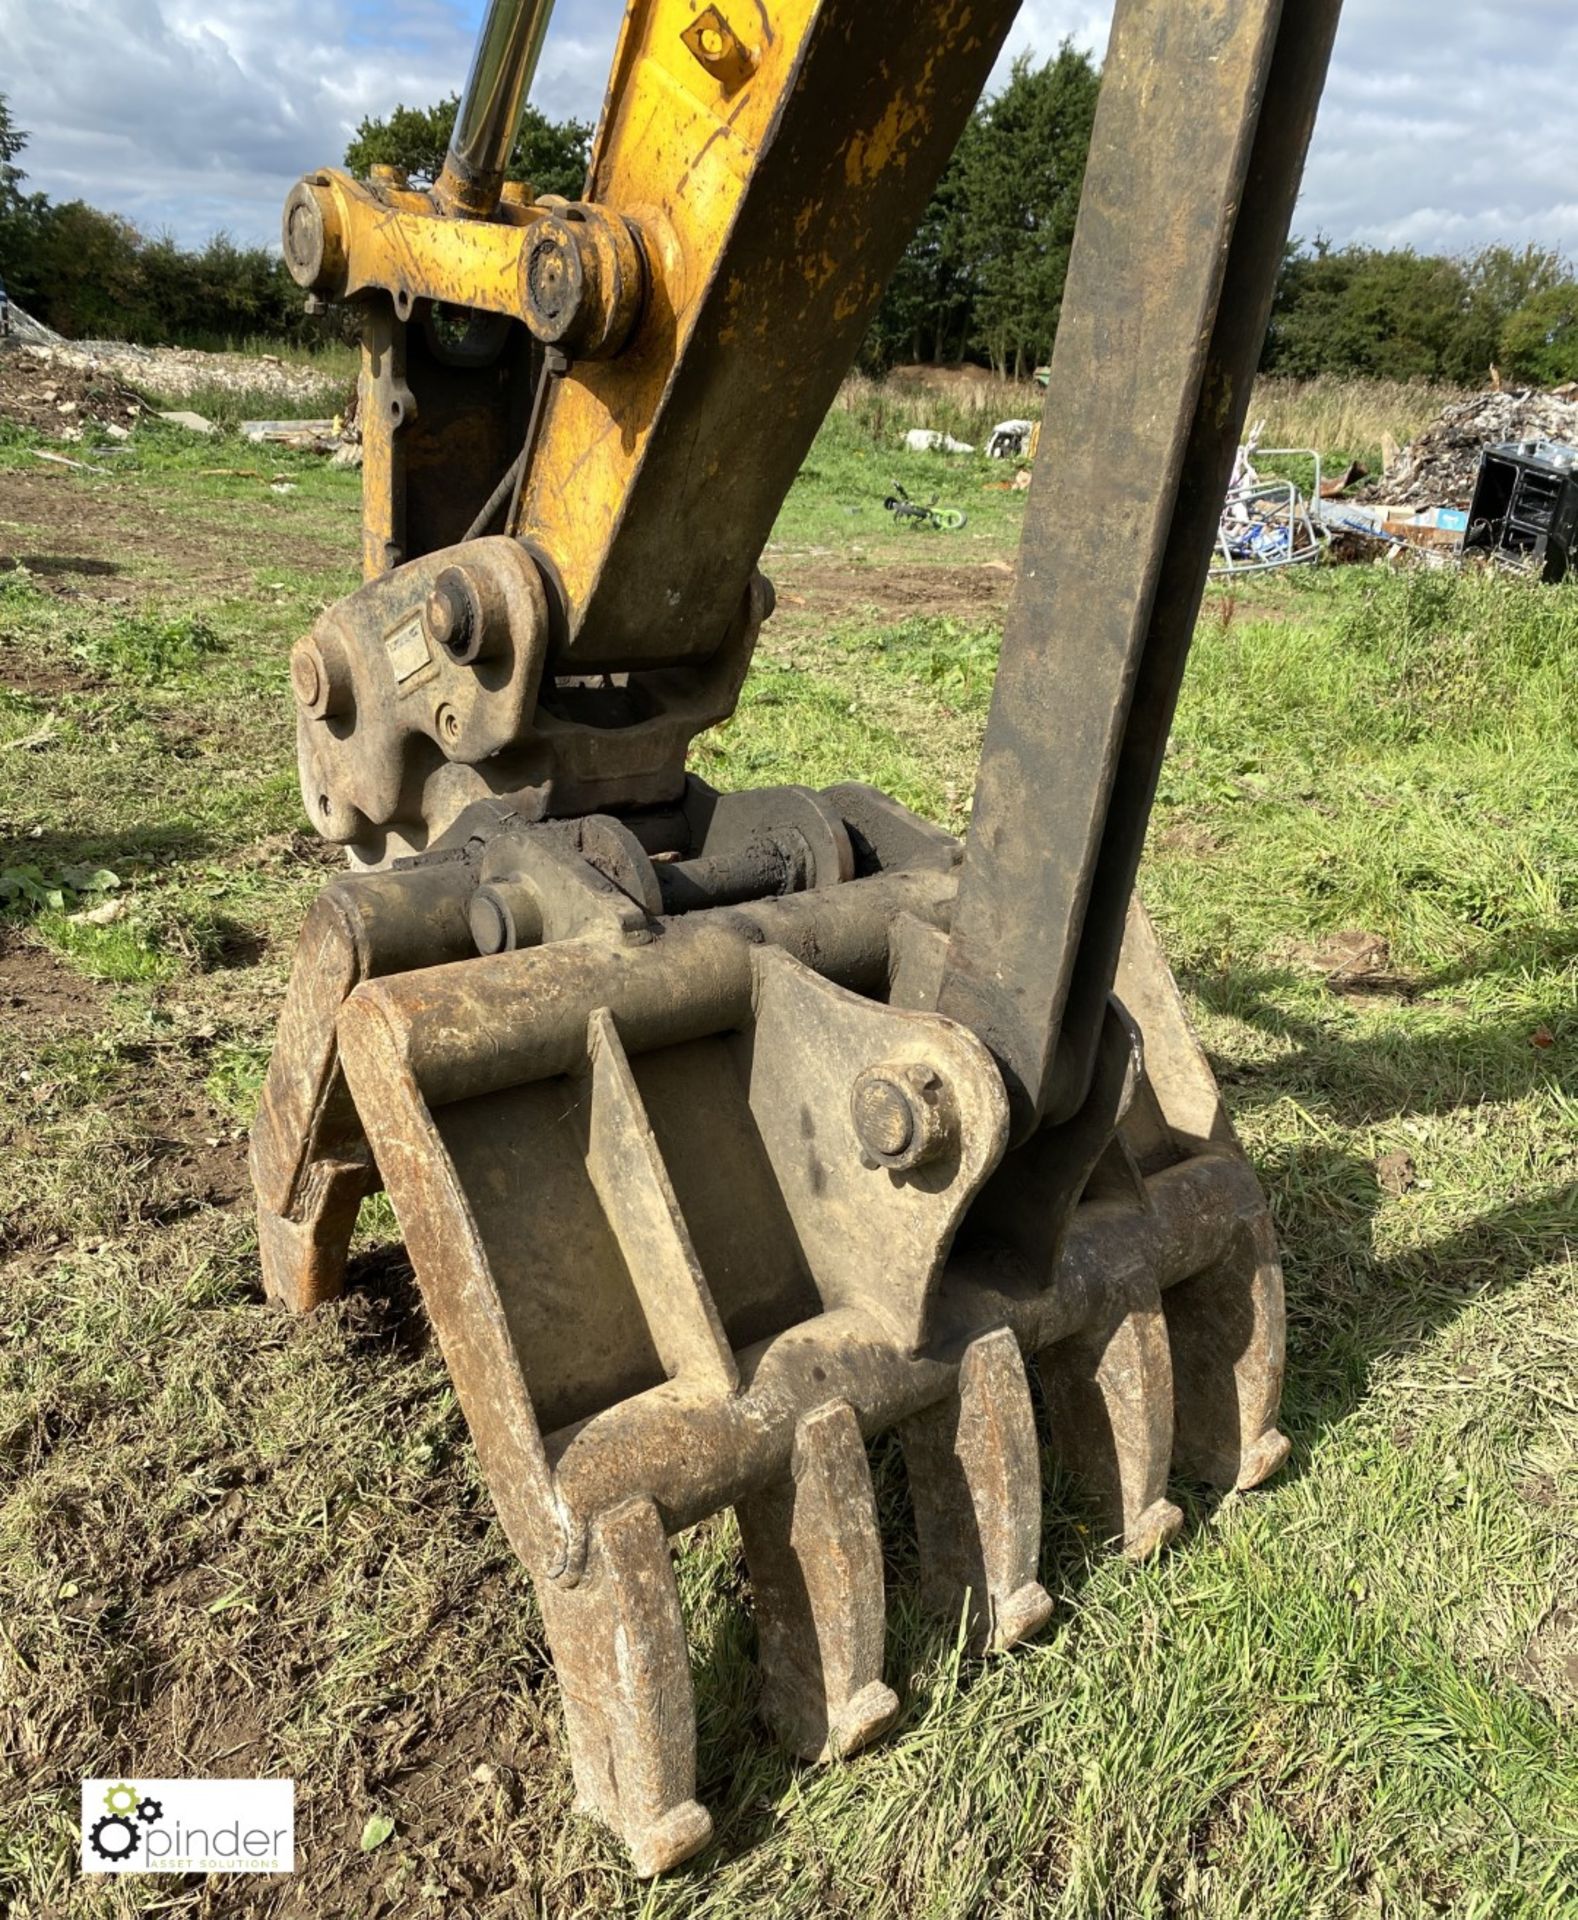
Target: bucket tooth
x,y
1227,1329
974,1470
1110,1403
618,1642
302,1254
815,1561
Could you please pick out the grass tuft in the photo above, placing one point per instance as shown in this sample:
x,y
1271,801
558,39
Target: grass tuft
x,y
148,651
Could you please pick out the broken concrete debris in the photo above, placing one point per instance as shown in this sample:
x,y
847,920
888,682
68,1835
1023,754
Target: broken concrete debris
x,y
1439,469
193,422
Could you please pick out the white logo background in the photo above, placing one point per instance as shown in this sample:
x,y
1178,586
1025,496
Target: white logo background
x,y
134,1825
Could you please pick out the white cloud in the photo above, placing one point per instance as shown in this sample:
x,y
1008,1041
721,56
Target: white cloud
x,y
198,114
1444,125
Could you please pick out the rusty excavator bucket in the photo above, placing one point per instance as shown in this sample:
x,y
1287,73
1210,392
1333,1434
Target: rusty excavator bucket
x,y
727,1131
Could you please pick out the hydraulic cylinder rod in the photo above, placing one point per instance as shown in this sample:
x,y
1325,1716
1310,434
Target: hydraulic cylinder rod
x,y
489,116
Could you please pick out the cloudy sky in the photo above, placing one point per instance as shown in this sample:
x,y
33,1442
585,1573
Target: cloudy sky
x,y
1446,124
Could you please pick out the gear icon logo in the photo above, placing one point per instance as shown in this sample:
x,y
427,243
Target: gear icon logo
x,y
114,1836
118,1832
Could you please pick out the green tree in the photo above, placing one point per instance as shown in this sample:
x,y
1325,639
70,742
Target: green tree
x,y
86,266
1502,279
984,273
1539,343
19,214
12,141
1391,314
928,311
1024,165
551,154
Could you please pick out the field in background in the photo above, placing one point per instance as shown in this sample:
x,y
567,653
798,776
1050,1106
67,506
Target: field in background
x,y
1347,419
233,1543
1342,419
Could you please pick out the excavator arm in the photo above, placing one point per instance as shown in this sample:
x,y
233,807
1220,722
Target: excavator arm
x,y
728,1130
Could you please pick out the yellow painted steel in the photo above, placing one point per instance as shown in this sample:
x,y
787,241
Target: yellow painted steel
x,y
393,238
675,151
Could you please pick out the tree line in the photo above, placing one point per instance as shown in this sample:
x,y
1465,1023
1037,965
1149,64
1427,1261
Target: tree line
x,y
981,280
92,275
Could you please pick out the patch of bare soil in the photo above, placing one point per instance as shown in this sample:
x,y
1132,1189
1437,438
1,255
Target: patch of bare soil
x,y
36,989
895,592
1550,1661
1352,961
23,673
1188,837
185,1152
69,537
194,1164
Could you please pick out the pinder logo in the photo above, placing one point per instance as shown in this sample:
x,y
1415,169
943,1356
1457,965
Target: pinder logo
x,y
188,1826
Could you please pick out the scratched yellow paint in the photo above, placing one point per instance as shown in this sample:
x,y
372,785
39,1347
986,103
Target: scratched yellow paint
x,y
675,151
394,239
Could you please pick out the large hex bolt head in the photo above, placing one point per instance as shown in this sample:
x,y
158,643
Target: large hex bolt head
x,y
453,618
465,616
904,1114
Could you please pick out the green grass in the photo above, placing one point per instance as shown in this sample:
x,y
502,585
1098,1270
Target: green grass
x,y
227,406
235,1543
835,507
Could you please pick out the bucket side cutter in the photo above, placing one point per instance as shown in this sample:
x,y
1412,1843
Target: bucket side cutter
x,y
729,1130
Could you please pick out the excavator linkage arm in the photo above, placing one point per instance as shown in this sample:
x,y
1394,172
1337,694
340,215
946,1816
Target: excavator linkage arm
x,y
729,1130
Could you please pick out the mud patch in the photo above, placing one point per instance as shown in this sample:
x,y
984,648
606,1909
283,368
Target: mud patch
x,y
72,535
894,593
26,673
193,1167
38,989
68,539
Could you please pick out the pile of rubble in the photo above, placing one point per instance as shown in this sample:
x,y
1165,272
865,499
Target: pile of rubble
x,y
64,401
28,332
174,373
1439,468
